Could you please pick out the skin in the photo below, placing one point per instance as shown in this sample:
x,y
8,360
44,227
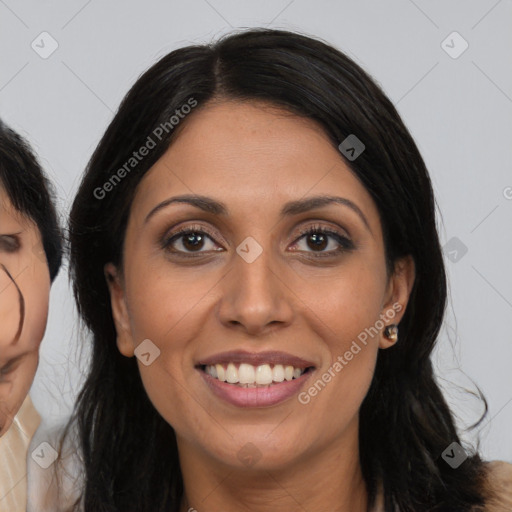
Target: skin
x,y
254,158
22,256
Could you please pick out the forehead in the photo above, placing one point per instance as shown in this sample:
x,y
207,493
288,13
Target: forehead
x,y
249,140
250,153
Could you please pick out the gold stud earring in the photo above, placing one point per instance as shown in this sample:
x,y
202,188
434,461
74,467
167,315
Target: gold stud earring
x,y
391,332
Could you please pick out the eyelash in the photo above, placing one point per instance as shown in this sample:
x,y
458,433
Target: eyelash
x,y
345,244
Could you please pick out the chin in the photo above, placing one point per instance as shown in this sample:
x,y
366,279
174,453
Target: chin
x,y
255,449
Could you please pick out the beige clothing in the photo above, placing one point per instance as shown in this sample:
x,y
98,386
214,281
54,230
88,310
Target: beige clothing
x,y
500,481
13,458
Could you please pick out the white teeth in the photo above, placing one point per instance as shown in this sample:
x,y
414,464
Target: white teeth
x,y
278,373
247,375
232,374
221,373
263,374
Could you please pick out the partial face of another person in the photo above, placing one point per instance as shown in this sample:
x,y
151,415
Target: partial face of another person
x,y
24,296
260,280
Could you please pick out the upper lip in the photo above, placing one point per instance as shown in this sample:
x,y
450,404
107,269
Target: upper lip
x,y
256,359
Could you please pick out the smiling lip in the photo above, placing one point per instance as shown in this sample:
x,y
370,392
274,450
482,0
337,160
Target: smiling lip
x,y
266,396
255,397
269,357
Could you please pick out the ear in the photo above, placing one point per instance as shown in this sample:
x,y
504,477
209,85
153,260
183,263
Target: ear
x,y
119,310
397,295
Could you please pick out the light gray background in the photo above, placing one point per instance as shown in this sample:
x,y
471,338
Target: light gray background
x,y
457,109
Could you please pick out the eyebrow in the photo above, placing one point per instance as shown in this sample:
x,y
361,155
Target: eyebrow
x,y
209,205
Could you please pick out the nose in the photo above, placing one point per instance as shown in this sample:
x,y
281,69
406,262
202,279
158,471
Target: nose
x,y
255,297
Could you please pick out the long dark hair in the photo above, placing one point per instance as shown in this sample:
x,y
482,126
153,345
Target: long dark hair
x,y
129,451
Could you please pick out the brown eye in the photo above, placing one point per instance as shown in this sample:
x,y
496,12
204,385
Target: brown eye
x,y
318,238
188,241
9,243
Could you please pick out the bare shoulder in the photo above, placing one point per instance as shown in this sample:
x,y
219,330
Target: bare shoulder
x,y
499,485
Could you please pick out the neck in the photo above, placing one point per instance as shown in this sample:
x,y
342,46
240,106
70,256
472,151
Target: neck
x,y
328,480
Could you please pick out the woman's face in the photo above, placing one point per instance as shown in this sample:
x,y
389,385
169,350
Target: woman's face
x,y
24,292
248,291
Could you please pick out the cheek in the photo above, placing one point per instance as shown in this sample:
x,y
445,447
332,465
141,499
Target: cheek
x,y
36,292
9,310
349,309
163,302
349,302
23,376
166,309
335,392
